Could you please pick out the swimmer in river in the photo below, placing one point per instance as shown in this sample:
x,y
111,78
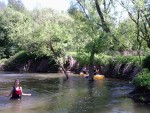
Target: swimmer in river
x,y
16,91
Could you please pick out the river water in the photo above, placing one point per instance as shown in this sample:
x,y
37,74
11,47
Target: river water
x,y
51,94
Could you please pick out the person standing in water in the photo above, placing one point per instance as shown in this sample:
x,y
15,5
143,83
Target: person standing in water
x,y
84,70
16,91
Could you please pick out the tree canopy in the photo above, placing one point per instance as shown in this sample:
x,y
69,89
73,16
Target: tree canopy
x,y
90,27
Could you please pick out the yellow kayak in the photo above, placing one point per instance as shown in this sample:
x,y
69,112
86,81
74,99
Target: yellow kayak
x,y
84,75
99,77
96,77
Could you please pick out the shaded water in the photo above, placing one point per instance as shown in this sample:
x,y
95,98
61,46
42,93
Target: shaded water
x,y
52,94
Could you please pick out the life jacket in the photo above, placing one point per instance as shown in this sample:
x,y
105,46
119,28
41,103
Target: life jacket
x,y
16,94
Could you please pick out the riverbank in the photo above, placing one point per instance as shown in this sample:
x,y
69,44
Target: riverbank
x,y
140,95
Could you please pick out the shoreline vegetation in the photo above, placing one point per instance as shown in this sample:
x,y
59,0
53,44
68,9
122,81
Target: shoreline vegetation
x,y
114,69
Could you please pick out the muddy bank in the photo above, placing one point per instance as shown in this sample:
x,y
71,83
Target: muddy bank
x,y
46,65
41,65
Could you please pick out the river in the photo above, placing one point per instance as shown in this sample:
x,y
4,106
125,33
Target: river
x,y
51,94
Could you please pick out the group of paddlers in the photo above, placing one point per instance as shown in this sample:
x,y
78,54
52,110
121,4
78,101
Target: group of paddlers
x,y
86,71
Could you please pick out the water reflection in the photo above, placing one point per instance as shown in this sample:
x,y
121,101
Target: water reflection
x,y
52,94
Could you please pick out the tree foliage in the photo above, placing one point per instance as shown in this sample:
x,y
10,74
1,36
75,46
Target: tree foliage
x,y
139,14
50,27
16,5
13,27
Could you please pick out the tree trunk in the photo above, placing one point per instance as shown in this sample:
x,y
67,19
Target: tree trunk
x,y
104,24
55,55
91,65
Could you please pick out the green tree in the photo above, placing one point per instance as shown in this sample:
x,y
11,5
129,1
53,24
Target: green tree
x,y
92,26
127,36
138,13
50,34
14,27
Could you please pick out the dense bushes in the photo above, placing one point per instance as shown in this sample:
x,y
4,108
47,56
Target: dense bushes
x,y
23,61
82,58
128,59
2,61
146,62
102,59
142,81
19,58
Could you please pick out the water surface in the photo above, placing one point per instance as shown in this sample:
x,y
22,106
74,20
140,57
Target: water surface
x,y
51,94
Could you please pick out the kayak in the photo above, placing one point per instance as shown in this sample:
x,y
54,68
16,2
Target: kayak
x,y
84,75
99,77
96,77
